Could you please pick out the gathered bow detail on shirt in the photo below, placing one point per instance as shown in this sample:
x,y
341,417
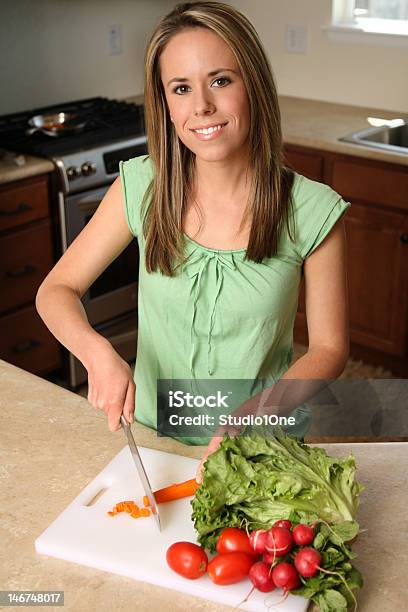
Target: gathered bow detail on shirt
x,y
196,265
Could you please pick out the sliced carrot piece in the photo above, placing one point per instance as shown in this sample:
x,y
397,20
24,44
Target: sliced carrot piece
x,y
173,491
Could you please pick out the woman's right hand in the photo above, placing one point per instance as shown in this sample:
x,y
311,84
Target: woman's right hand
x,y
111,387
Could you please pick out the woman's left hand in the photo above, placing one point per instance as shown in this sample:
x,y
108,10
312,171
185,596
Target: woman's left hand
x,y
252,406
213,445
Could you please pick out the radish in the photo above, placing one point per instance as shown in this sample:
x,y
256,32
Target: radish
x,y
258,540
285,576
268,557
303,535
307,562
283,523
278,541
260,577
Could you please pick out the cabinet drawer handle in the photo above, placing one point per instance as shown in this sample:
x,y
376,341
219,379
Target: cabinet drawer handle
x,y
23,271
23,347
404,238
21,208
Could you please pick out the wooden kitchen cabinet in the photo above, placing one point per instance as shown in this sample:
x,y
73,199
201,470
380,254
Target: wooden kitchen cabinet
x,y
307,163
371,182
377,258
377,252
22,202
27,343
26,256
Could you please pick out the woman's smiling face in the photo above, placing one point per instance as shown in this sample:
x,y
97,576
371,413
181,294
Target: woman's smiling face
x,y
204,87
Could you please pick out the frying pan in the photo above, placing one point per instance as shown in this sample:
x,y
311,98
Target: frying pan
x,y
57,124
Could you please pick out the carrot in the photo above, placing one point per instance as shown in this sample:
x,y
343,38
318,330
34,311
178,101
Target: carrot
x,y
174,491
131,508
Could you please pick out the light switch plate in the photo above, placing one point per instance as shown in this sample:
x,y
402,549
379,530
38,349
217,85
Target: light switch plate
x,y
297,39
115,39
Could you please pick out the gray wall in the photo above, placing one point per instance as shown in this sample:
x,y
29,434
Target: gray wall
x,y
57,50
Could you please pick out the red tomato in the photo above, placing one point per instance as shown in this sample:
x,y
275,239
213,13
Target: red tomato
x,y
187,559
229,568
233,539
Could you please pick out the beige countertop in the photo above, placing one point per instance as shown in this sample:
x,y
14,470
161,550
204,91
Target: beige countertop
x,y
16,167
308,123
319,125
53,443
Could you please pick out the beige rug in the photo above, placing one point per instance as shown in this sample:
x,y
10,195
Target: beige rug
x,y
353,369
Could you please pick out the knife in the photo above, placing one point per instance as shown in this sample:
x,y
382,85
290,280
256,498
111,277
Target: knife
x,y
141,471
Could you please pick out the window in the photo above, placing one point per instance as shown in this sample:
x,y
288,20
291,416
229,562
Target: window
x,y
388,16
374,21
381,9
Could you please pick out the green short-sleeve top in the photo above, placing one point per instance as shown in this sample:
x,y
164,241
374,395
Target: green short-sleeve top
x,y
221,316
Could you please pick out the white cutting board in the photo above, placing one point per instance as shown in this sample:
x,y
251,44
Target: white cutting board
x,y
83,533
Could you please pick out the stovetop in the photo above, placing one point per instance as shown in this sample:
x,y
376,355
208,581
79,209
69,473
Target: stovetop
x,y
107,121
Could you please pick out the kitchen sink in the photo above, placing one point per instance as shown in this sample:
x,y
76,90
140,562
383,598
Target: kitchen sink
x,y
385,137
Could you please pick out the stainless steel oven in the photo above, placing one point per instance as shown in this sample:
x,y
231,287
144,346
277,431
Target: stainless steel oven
x,y
111,301
87,163
115,291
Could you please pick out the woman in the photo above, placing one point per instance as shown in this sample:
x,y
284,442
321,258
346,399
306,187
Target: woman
x,y
225,232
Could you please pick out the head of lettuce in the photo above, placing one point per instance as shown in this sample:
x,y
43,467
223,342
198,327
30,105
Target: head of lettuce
x,y
257,478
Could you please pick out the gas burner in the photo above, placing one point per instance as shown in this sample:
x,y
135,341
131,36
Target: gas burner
x,y
105,121
111,131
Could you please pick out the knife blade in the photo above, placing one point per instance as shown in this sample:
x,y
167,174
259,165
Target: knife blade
x,y
141,471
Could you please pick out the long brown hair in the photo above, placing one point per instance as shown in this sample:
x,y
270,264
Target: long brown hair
x,y
173,163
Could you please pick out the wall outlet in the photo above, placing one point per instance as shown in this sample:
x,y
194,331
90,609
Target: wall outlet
x,y
297,39
115,39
